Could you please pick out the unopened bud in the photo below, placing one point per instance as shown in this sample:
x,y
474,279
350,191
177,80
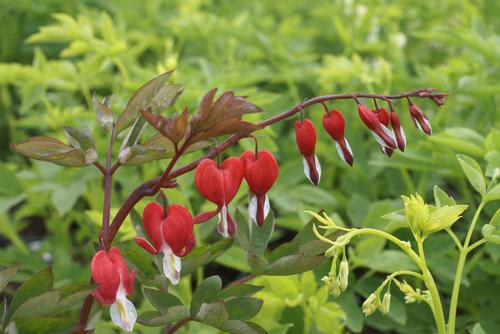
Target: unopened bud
x,y
370,304
343,275
386,303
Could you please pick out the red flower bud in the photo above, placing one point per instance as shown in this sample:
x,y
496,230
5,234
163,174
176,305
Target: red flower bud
x,y
398,131
420,120
171,233
334,124
379,130
383,117
305,136
219,184
115,282
261,171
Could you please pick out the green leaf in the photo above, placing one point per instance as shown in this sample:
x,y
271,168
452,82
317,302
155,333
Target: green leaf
x,y
441,198
477,329
493,194
166,97
52,150
243,308
156,319
260,236
140,101
389,261
495,220
293,264
44,325
208,291
6,275
473,172
9,183
242,230
79,138
104,115
213,314
240,290
241,327
38,284
161,300
38,306
444,217
203,255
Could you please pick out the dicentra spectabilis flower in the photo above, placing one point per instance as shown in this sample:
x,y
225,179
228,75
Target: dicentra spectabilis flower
x,y
381,133
334,124
398,131
420,120
171,232
383,117
261,171
115,282
219,184
305,136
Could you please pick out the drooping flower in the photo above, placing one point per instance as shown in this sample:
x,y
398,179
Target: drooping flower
x,y
420,120
384,119
381,133
171,232
115,282
305,136
261,171
334,124
398,131
219,184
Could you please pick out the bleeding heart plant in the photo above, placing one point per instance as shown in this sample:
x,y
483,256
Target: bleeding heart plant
x,y
170,228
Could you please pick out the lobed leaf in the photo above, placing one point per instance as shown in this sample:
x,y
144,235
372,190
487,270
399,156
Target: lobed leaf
x,y
221,117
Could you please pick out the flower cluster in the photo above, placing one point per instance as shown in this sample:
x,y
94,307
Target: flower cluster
x,y
219,184
384,126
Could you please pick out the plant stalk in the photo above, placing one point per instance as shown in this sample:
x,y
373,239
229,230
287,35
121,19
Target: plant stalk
x,y
460,269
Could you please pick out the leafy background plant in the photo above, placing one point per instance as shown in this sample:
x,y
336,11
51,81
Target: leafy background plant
x,y
55,54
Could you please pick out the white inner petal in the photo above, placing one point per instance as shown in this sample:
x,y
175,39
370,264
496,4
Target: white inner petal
x,y
222,223
267,207
426,121
318,167
122,312
403,135
307,172
252,208
171,265
339,150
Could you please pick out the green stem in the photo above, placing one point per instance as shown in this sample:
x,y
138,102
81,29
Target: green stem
x,y
437,307
460,269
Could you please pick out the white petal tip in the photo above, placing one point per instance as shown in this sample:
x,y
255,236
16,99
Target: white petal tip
x,y
123,313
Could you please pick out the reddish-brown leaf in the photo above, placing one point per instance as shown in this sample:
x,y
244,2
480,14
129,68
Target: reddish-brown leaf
x,y
172,127
222,116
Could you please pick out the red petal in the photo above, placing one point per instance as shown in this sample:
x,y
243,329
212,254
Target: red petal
x,y
232,171
260,173
334,124
209,181
144,244
106,274
305,136
152,219
178,228
204,216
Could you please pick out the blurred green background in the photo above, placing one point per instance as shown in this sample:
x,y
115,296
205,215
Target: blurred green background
x,y
55,54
